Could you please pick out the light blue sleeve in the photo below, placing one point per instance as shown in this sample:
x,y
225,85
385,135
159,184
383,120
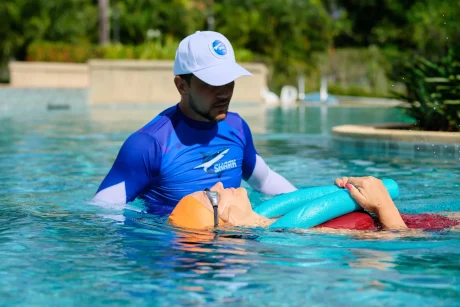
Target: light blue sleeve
x,y
258,174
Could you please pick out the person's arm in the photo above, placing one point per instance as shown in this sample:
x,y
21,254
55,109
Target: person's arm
x,y
372,195
258,174
136,165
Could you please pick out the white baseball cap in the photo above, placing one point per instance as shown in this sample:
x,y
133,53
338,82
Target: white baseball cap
x,y
210,57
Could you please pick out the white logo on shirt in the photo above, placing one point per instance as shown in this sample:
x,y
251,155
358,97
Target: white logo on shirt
x,y
210,160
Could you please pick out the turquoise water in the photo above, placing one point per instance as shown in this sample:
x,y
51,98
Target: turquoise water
x,y
56,248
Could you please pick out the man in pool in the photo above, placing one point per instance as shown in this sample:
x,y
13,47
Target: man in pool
x,y
197,142
234,209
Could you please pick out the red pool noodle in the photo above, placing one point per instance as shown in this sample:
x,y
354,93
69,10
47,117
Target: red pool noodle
x,y
354,220
363,221
428,221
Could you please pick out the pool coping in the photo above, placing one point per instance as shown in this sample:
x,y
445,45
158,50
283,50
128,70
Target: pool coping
x,y
383,133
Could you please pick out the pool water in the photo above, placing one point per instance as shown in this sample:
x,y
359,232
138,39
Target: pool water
x,y
56,248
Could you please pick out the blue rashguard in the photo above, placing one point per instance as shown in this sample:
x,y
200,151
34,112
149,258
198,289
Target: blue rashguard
x,y
173,156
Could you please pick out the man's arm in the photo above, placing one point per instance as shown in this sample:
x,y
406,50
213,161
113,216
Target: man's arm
x,y
136,165
258,174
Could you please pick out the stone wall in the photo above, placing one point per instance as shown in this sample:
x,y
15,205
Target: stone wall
x,y
48,75
153,81
124,81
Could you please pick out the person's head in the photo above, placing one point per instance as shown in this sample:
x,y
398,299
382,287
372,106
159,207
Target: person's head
x,y
205,70
195,210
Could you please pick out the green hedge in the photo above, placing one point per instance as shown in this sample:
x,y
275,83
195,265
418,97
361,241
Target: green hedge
x,y
63,52
60,52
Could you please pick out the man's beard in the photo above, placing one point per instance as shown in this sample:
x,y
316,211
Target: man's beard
x,y
207,115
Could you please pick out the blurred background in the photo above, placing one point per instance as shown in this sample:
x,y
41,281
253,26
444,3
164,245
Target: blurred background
x,y
316,50
358,45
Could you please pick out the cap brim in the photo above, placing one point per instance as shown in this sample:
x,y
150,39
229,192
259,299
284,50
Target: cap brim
x,y
221,74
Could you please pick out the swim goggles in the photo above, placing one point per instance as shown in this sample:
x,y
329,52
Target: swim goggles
x,y
214,199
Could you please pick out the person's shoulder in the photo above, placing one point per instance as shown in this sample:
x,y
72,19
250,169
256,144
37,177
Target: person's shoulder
x,y
233,116
238,126
152,133
162,123
139,142
235,120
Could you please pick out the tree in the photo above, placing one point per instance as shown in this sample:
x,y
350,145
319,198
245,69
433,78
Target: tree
x,y
25,21
104,22
284,33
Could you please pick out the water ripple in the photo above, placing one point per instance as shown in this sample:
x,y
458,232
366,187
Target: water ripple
x,y
56,246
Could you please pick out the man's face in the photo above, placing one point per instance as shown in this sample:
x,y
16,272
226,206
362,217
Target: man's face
x,y
210,102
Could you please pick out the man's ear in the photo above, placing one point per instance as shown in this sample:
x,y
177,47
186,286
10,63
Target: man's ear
x,y
182,86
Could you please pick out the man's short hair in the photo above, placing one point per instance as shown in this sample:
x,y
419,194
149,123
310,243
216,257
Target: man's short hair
x,y
187,78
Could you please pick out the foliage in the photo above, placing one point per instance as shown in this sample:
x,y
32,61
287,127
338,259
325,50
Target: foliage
x,y
427,27
64,52
173,18
284,34
352,68
368,18
356,91
59,52
146,51
25,21
434,92
434,27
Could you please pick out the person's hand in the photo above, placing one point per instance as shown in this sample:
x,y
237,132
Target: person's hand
x,y
369,192
341,182
372,195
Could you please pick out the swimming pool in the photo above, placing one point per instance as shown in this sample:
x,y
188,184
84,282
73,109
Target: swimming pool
x,y
57,249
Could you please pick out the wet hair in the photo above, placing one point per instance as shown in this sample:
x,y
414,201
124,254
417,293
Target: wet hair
x,y
187,78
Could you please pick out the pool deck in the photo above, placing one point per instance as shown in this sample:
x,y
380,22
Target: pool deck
x,y
388,138
383,132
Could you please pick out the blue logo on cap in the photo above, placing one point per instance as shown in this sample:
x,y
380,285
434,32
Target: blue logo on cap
x,y
219,48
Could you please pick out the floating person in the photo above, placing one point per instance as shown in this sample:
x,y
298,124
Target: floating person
x,y
232,207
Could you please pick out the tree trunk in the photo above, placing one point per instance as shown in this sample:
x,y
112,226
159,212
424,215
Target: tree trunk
x,y
104,22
